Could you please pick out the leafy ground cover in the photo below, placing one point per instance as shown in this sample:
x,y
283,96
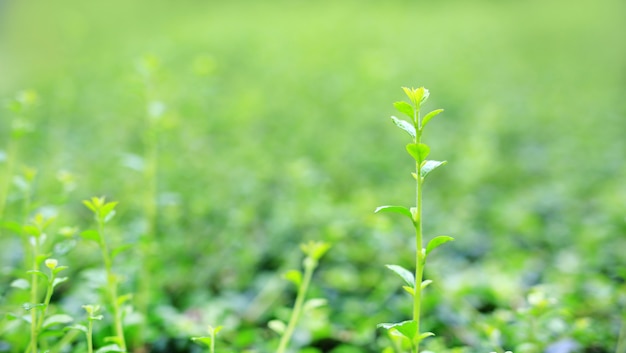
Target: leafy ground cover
x,y
230,133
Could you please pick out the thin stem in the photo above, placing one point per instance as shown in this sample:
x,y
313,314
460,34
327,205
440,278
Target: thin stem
x,y
33,299
309,266
89,336
419,255
112,288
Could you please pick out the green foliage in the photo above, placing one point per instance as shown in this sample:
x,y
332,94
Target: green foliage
x,y
249,127
410,329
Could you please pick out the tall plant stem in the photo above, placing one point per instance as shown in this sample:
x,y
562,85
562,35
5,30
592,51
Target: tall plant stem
x,y
309,266
419,254
112,288
33,298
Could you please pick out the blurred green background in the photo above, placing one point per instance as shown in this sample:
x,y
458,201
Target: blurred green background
x,y
274,130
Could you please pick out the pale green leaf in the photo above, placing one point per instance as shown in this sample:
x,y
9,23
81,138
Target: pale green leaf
x,y
429,166
437,241
395,209
405,274
407,328
277,326
419,151
314,303
429,116
20,283
405,108
110,348
57,319
404,125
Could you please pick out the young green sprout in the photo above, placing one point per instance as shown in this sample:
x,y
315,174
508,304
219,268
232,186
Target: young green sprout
x,y
209,340
314,252
103,212
419,151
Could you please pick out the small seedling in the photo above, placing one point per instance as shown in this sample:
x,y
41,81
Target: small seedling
x,y
103,212
419,151
314,252
209,340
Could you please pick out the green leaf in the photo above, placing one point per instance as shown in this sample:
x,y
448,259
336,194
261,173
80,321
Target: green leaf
x,y
57,319
405,274
124,298
424,335
110,348
429,166
20,283
277,326
404,125
108,211
294,276
78,327
14,227
437,241
405,108
426,283
315,249
120,249
29,306
314,303
409,290
429,116
395,209
38,273
407,328
31,230
419,151
58,281
204,340
91,234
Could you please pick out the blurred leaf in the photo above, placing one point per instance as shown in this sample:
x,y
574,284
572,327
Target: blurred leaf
x,y
29,306
38,273
407,328
429,166
124,298
437,241
426,283
395,209
58,281
405,274
405,108
20,283
429,116
91,234
425,335
315,249
204,340
57,319
314,303
404,125
409,290
12,226
419,151
110,348
277,326
294,276
120,249
78,327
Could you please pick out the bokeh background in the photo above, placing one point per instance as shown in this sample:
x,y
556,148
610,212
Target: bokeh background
x,y
241,129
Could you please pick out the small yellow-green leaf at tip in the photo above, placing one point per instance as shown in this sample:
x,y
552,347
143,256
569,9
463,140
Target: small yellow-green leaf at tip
x,y
294,276
315,249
